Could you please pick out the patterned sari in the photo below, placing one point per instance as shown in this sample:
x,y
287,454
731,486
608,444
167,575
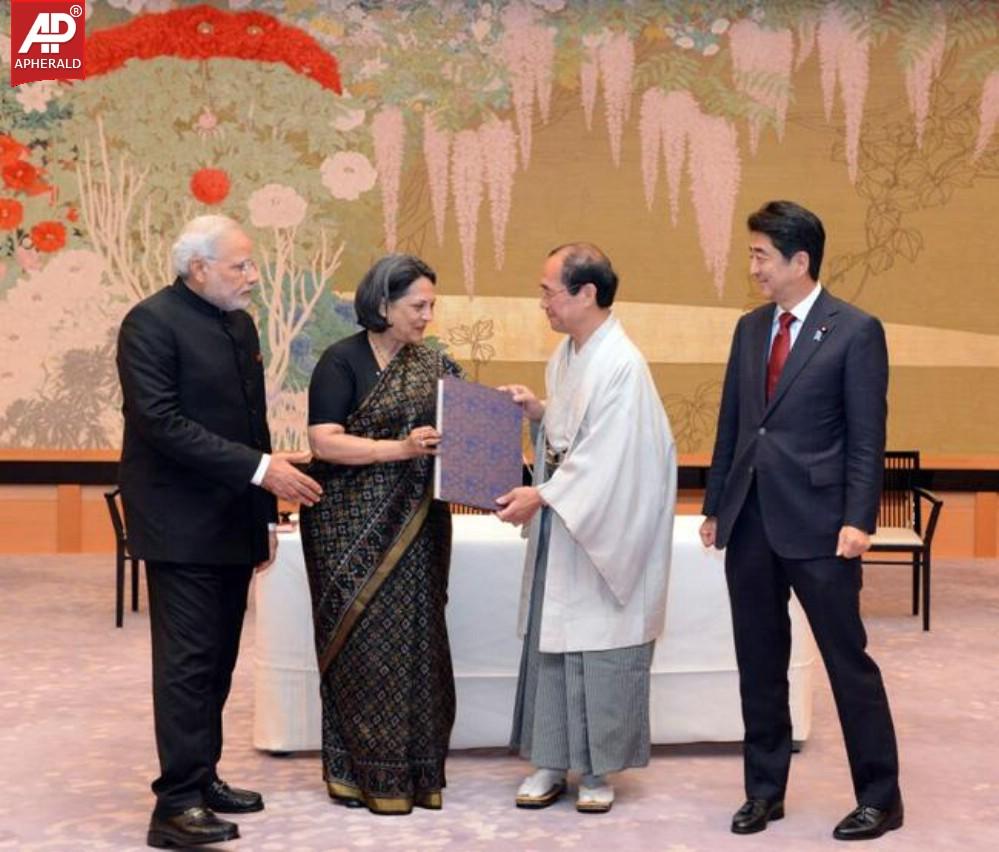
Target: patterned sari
x,y
377,550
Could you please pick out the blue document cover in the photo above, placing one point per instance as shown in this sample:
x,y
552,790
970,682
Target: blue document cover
x,y
480,453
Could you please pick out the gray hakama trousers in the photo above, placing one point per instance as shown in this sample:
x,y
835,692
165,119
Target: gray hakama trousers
x,y
586,711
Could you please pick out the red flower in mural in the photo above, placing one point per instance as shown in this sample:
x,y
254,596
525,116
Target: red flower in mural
x,y
72,214
11,213
24,177
10,150
48,236
210,186
203,32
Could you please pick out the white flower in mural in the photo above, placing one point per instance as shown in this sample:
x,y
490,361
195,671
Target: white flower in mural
x,y
371,68
35,97
685,41
720,26
347,174
276,206
550,5
710,50
349,119
240,4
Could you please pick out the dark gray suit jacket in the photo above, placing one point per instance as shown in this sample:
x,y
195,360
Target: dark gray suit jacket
x,y
195,410
817,448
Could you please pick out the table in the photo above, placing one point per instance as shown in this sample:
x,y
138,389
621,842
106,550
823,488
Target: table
x,y
695,688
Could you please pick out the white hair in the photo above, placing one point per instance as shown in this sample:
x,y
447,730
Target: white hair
x,y
199,239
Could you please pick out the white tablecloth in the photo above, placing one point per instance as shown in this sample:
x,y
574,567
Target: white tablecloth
x,y
695,690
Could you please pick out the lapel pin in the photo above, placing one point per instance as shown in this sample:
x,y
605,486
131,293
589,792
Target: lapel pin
x,y
820,334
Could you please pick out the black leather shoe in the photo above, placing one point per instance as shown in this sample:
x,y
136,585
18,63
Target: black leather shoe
x,y
224,799
192,827
866,823
754,815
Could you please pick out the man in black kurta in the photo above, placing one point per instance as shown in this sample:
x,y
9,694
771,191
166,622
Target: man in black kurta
x,y
198,484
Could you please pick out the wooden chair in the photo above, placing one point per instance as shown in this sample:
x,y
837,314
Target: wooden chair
x,y
113,499
900,524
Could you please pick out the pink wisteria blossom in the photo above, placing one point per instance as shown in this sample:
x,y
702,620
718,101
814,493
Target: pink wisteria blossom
x,y
680,121
617,67
527,48
589,76
844,59
807,25
920,75
715,173
499,146
650,135
436,154
466,184
673,123
988,113
388,128
758,53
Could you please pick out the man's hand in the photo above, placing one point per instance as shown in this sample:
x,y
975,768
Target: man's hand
x,y
287,482
708,531
534,408
520,504
852,542
272,541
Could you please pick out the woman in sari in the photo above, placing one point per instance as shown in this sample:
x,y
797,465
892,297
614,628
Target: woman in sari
x,y
377,549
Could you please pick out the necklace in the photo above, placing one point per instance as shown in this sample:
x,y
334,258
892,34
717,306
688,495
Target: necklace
x,y
382,356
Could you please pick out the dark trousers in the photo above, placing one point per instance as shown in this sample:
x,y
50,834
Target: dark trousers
x,y
759,584
196,617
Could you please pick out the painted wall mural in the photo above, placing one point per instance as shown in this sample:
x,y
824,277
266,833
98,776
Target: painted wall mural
x,y
480,134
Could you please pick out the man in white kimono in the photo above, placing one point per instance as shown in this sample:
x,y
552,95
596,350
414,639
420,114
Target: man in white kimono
x,y
597,567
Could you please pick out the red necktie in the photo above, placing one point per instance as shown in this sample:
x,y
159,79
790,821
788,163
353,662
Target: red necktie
x,y
778,352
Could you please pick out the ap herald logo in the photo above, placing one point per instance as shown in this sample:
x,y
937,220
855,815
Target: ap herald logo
x,y
46,40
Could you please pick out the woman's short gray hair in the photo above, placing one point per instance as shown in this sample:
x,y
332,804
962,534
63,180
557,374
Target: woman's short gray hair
x,y
199,240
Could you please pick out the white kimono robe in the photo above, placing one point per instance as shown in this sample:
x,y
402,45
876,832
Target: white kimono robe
x,y
612,499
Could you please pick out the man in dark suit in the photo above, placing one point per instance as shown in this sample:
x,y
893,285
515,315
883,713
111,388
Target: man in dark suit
x,y
198,483
793,495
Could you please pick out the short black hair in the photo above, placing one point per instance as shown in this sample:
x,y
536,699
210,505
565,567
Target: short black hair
x,y
584,263
791,229
384,283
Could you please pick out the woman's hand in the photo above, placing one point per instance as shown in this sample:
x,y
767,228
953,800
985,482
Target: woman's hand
x,y
422,441
534,408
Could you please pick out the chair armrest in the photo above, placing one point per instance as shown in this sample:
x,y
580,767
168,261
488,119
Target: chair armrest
x,y
936,503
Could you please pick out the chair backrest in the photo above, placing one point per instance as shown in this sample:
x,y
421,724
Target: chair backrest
x,y
899,505
112,498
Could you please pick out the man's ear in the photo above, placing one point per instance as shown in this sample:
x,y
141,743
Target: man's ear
x,y
800,261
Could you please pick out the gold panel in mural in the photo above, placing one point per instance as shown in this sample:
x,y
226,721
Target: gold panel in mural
x,y
480,135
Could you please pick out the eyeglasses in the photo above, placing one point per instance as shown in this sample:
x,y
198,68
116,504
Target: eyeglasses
x,y
244,267
547,294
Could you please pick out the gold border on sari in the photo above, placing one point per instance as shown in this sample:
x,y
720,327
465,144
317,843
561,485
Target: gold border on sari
x,y
430,799
374,583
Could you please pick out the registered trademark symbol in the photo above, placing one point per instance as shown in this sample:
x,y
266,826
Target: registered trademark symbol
x,y
76,10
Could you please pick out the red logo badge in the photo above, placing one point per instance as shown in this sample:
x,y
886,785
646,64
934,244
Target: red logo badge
x,y
46,41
